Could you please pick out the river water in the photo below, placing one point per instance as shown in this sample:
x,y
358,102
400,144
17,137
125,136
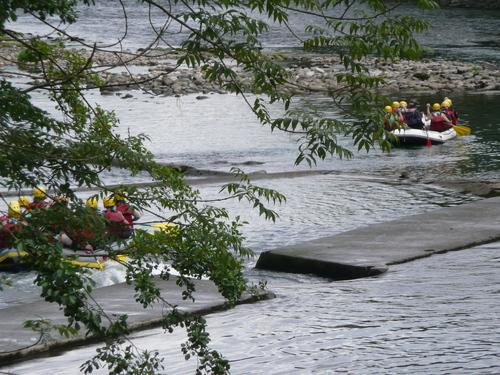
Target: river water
x,y
435,315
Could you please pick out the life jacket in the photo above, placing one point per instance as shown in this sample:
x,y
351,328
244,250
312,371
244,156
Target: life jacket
x,y
81,238
413,119
436,118
452,115
438,123
37,205
117,225
124,208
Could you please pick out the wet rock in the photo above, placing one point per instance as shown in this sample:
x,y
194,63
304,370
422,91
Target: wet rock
x,y
127,96
404,175
423,76
481,84
201,97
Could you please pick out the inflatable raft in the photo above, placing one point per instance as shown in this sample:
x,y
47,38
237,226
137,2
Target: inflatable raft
x,y
422,137
11,260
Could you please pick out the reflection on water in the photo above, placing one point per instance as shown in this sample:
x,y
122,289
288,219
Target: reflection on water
x,y
455,33
407,321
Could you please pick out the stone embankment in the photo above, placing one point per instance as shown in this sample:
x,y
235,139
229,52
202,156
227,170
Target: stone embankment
x,y
18,342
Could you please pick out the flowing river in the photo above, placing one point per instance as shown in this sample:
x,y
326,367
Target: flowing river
x,y
434,315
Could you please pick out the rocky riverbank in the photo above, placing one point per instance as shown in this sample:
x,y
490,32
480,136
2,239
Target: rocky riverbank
x,y
158,73
317,73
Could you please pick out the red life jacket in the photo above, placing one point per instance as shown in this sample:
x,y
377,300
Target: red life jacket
x,y
81,238
452,115
438,124
37,205
124,208
117,225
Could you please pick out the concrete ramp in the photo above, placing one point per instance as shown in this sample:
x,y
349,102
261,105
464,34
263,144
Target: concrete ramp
x,y
368,251
17,342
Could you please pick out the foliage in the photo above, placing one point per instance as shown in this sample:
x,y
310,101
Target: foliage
x,y
73,150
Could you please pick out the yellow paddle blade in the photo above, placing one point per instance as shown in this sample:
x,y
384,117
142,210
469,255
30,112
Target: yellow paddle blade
x,y
121,258
166,227
462,130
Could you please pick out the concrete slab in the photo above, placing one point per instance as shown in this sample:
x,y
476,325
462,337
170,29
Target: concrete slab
x,y
17,342
368,251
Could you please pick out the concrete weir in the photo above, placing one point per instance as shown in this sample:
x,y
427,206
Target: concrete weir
x,y
368,251
17,342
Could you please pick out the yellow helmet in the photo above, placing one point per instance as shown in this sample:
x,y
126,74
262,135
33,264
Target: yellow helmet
x,y
24,201
109,201
446,103
92,202
436,107
39,192
119,197
446,99
395,105
403,104
14,209
388,108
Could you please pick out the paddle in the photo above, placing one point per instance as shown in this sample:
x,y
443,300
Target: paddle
x,y
166,227
462,130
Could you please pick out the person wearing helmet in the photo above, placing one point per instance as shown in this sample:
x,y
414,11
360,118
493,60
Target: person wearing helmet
x,y
117,225
402,106
439,121
92,203
109,202
10,225
14,210
130,213
24,201
83,238
393,118
446,108
396,110
413,117
39,198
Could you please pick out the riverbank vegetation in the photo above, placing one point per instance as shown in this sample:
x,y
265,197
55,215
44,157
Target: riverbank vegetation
x,y
69,150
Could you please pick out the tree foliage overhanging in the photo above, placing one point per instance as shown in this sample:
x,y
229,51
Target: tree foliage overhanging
x,y
72,150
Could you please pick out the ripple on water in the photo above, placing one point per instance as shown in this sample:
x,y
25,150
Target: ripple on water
x,y
434,315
